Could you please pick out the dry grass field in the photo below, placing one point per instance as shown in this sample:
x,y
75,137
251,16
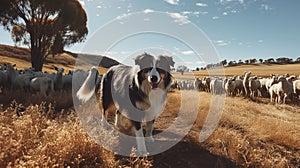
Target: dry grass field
x,y
249,133
261,136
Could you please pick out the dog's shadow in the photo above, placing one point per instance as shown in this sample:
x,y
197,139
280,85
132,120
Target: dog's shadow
x,y
166,151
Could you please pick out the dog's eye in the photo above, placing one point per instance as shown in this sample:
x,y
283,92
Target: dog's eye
x,y
147,70
161,70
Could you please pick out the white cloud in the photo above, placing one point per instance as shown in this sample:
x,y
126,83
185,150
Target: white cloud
x,y
188,52
146,11
225,13
176,48
233,11
172,2
222,43
260,41
215,17
266,7
180,19
123,16
99,7
193,13
196,13
186,12
201,4
233,2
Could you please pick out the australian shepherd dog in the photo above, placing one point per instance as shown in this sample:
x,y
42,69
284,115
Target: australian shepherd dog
x,y
137,93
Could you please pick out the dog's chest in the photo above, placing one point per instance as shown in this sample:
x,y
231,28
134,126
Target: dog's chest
x,y
157,101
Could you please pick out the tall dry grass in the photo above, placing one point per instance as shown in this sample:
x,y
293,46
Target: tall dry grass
x,y
60,99
255,135
35,138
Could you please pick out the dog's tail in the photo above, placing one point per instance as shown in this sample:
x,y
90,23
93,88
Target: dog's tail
x,y
87,89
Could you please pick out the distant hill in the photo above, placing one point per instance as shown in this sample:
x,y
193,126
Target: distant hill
x,y
105,62
21,57
261,70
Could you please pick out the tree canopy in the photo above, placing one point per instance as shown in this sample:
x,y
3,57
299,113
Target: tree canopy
x,y
46,26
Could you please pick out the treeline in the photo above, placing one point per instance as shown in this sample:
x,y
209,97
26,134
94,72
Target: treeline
x,y
225,63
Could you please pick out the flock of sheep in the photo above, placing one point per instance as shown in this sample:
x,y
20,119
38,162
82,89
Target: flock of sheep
x,y
277,88
30,81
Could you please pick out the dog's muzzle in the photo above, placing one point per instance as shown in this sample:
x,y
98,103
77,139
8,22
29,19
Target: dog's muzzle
x,y
154,81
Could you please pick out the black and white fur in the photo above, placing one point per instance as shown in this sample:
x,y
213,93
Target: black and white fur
x,y
138,93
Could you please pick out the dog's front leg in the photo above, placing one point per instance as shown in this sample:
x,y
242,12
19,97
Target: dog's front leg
x,y
117,118
140,139
149,130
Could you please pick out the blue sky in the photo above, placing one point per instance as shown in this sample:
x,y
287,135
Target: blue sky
x,y
238,29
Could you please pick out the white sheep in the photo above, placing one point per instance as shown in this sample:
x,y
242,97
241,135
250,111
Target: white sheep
x,y
216,86
271,81
296,87
197,84
44,85
230,87
281,90
206,83
11,75
57,78
246,83
254,87
67,82
239,87
3,81
17,81
22,82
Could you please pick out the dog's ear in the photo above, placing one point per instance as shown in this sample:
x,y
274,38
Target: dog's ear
x,y
166,62
144,60
138,59
170,60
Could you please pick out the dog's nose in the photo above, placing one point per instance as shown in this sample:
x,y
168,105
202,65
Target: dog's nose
x,y
154,79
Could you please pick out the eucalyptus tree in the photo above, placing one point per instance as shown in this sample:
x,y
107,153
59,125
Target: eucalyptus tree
x,y
46,26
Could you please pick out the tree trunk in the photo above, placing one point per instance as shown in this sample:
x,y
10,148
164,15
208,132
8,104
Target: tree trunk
x,y
37,58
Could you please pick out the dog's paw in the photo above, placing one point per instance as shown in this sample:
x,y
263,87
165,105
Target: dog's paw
x,y
149,139
142,153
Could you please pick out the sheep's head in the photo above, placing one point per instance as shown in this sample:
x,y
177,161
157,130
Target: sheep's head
x,y
59,70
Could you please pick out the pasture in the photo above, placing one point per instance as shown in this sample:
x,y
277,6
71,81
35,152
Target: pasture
x,y
261,136
250,133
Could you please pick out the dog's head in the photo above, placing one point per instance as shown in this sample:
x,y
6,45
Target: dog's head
x,y
154,71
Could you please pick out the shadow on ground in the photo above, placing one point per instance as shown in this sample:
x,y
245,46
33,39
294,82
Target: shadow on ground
x,y
190,155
